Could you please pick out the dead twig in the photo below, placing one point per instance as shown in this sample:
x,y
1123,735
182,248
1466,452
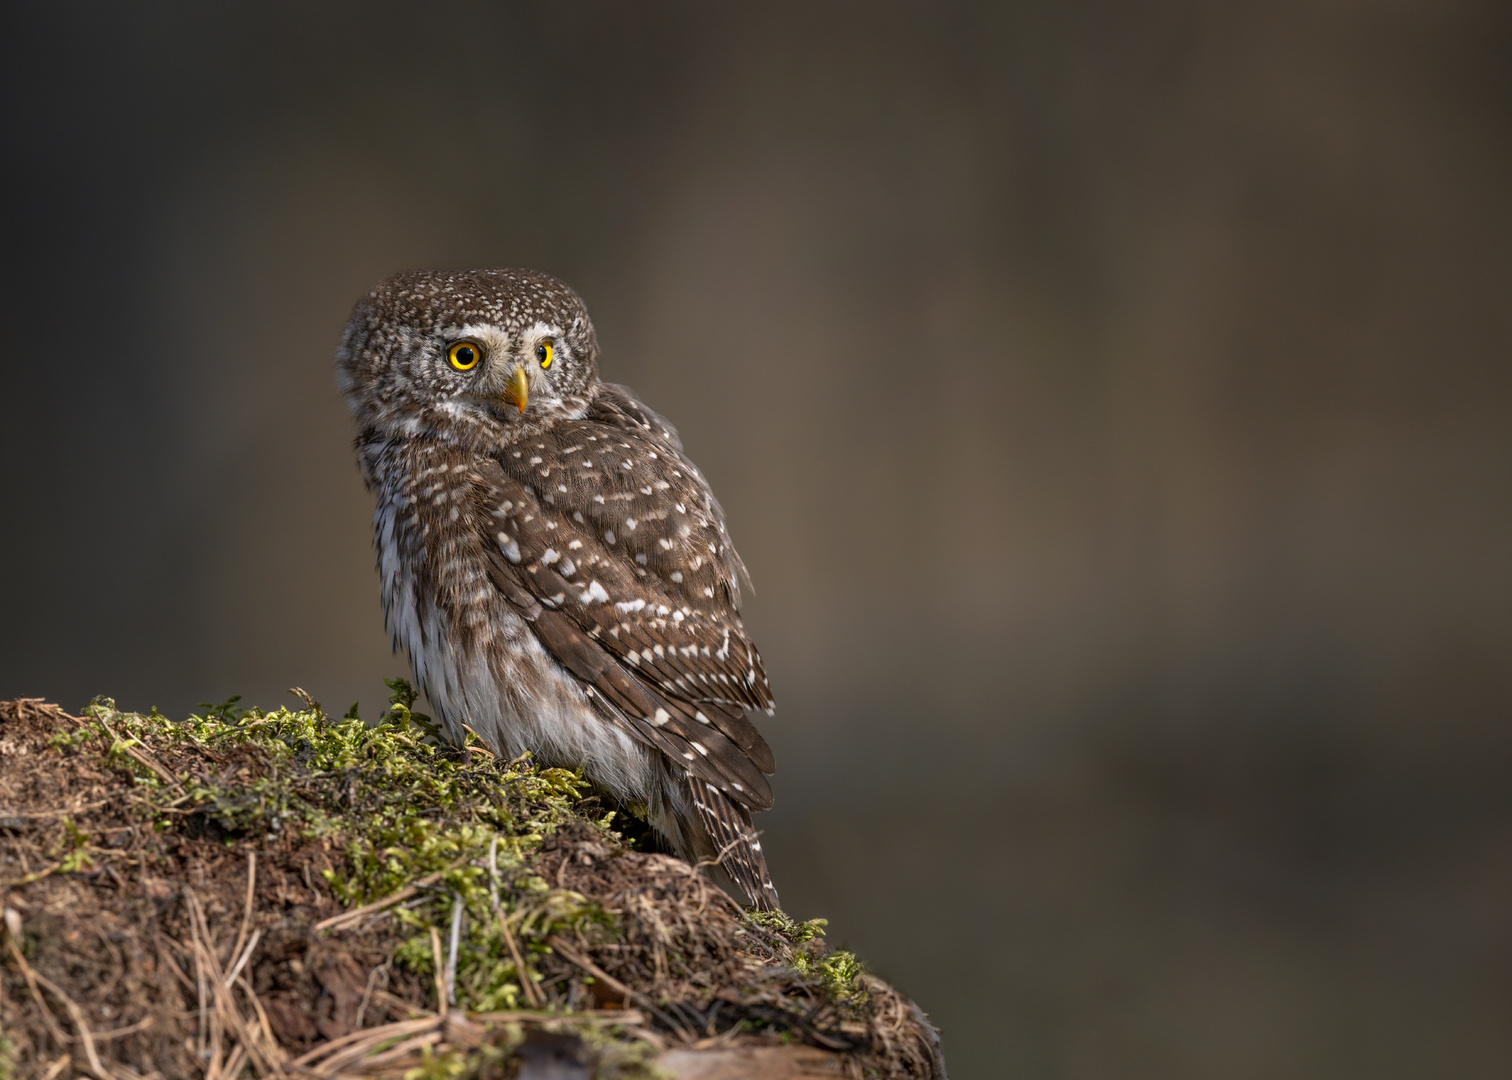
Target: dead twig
x,y
570,954
523,974
336,922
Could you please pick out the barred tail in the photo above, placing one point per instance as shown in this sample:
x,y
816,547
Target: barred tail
x,y
737,850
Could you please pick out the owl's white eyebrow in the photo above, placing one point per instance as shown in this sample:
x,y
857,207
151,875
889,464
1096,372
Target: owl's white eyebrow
x,y
540,330
486,333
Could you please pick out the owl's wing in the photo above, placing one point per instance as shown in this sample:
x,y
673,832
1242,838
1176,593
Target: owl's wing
x,y
607,542
618,406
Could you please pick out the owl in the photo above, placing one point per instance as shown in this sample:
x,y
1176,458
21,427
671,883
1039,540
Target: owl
x,y
556,568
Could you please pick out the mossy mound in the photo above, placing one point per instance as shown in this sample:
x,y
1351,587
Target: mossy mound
x,y
264,894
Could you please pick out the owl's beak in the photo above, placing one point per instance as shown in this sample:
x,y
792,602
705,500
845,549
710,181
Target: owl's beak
x,y
517,389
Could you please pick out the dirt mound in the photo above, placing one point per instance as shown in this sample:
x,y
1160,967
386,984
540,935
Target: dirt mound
x,y
288,894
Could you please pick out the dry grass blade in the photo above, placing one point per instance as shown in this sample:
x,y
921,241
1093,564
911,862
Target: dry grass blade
x,y
30,976
346,918
409,1046
441,995
246,923
27,879
616,1017
367,1037
526,979
523,975
453,945
365,1046
241,960
142,757
77,1016
266,1057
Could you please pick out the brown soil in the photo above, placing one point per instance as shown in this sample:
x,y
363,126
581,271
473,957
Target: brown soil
x,y
143,939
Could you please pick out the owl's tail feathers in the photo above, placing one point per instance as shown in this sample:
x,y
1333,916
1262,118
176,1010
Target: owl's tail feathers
x,y
737,850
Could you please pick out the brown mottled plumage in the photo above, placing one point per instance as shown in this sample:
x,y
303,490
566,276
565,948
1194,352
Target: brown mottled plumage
x,y
557,569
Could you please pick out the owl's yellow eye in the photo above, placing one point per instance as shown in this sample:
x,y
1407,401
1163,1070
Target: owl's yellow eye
x,y
464,355
545,353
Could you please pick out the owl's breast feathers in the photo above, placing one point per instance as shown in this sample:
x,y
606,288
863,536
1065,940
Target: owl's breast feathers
x,y
606,541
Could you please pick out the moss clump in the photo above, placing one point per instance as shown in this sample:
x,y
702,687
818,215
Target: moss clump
x,y
266,891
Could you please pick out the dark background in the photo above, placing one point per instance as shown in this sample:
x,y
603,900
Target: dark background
x,y
1111,401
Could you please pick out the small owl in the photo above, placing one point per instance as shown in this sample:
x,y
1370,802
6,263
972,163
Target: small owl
x,y
555,566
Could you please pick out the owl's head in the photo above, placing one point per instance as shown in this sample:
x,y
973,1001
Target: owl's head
x,y
494,354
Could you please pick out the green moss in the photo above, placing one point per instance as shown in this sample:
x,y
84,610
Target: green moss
x,y
401,805
779,922
838,969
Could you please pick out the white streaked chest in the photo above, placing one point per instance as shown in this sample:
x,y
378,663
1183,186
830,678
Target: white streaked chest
x,y
477,661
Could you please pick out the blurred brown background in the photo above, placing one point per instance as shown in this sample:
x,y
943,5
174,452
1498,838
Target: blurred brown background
x,y
1111,401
